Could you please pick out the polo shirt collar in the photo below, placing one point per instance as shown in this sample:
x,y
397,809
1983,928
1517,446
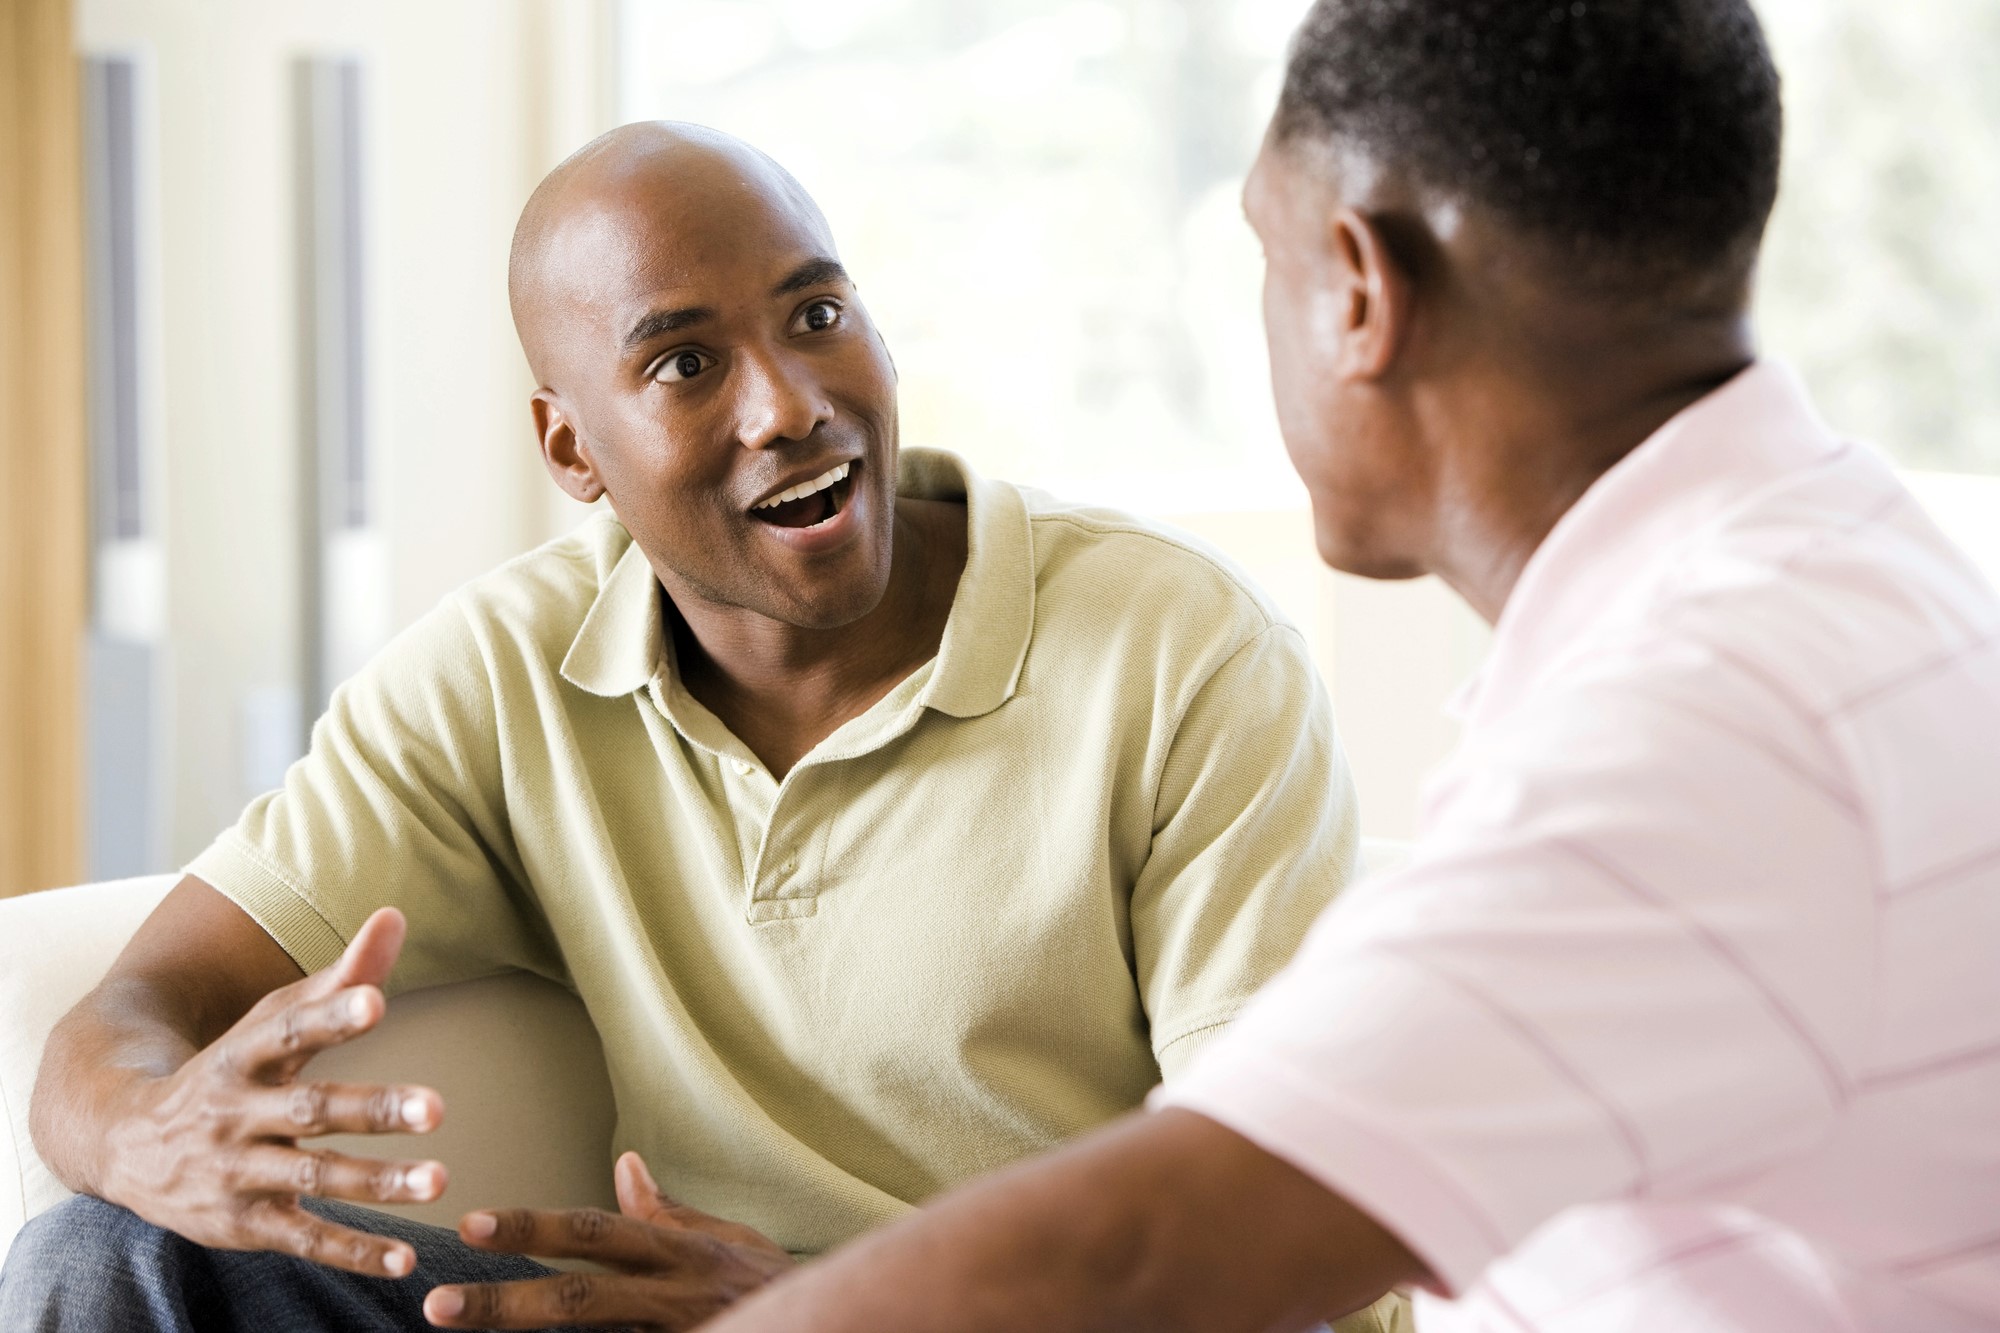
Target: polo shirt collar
x,y
992,616
1752,432
621,645
617,648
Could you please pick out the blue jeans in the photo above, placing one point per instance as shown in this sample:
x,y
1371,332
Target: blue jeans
x,y
88,1266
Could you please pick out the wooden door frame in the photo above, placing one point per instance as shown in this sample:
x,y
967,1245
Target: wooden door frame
x,y
43,527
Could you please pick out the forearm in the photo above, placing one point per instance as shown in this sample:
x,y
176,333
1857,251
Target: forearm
x,y
121,1037
1161,1222
193,969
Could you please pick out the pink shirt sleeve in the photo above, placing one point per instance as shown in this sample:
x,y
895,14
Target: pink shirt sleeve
x,y
1632,958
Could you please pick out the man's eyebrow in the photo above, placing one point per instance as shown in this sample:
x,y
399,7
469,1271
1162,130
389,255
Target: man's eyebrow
x,y
812,273
652,325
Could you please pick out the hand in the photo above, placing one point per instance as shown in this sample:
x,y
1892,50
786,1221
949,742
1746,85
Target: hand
x,y
673,1267
211,1151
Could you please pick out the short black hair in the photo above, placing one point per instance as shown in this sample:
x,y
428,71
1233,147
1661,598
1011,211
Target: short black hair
x,y
1639,137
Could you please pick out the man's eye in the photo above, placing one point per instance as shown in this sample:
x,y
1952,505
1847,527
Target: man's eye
x,y
819,316
681,366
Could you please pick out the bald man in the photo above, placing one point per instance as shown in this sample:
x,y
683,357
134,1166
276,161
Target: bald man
x,y
893,824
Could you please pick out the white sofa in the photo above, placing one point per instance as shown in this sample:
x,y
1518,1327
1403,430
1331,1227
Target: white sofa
x,y
528,1109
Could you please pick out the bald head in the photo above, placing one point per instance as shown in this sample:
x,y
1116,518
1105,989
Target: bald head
x,y
699,349
643,204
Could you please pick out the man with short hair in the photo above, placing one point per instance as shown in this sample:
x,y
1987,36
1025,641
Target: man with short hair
x,y
891,823
1685,1014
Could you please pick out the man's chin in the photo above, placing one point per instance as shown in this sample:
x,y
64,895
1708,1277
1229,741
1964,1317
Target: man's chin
x,y
832,604
825,617
828,590
1357,555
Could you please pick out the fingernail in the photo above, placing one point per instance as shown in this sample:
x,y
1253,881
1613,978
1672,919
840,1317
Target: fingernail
x,y
398,1263
416,1112
445,1303
357,1008
425,1181
479,1226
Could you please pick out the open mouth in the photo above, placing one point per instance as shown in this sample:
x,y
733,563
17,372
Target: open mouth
x,y
810,503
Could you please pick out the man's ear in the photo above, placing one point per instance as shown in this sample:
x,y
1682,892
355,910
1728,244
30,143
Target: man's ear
x,y
562,449
1379,296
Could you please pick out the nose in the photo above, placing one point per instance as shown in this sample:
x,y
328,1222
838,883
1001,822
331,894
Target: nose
x,y
779,399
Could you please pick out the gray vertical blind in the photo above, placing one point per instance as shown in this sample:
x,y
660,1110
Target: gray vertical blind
x,y
112,274
122,743
335,473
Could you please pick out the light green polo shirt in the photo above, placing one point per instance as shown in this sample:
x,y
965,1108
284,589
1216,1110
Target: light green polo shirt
x,y
983,916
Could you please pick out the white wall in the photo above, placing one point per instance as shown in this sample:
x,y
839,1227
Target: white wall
x,y
468,102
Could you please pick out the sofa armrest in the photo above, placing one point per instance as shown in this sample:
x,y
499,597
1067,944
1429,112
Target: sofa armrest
x,y
528,1107
54,947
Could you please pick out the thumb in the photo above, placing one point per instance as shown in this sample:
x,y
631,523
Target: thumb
x,y
638,1193
373,951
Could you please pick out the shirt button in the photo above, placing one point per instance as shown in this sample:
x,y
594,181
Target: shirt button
x,y
744,767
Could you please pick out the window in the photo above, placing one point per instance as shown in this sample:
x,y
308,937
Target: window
x,y
1881,275
1040,199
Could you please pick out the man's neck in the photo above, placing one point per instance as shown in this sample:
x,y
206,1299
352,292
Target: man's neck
x,y
1533,458
783,689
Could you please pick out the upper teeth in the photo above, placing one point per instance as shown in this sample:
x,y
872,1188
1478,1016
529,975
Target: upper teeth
x,y
805,488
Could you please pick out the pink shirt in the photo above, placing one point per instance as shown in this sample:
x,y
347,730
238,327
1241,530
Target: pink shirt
x,y
1686,1013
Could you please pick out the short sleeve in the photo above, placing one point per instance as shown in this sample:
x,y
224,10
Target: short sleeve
x,y
1255,831
1631,959
399,802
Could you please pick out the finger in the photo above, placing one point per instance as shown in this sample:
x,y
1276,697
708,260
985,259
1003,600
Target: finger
x,y
372,953
307,1110
640,1197
544,1302
284,1227
366,961
270,1169
610,1239
278,1040
638,1193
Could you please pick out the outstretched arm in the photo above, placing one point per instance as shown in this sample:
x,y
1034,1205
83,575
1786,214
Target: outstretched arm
x,y
1161,1221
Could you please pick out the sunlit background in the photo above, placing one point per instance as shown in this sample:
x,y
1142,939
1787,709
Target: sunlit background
x,y
308,413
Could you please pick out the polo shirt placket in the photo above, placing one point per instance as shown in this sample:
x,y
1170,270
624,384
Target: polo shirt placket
x,y
780,845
